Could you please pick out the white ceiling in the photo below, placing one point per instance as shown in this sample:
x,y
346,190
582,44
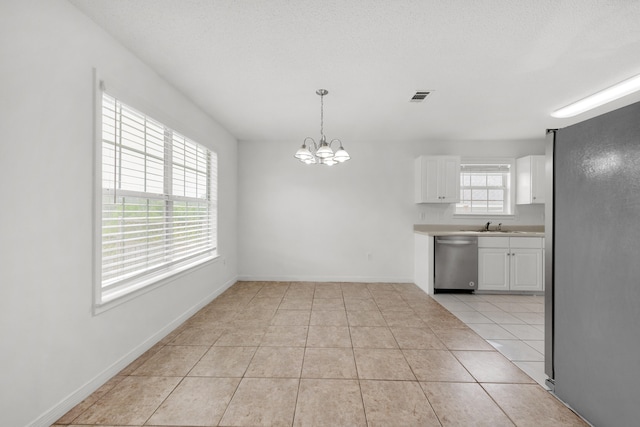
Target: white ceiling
x,y
497,68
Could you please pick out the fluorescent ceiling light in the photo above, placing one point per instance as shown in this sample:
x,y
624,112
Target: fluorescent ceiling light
x,y
612,93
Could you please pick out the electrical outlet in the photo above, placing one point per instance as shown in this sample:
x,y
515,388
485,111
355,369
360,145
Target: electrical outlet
x,y
369,256
423,216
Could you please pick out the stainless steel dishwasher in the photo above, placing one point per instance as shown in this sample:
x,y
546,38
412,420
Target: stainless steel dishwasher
x,y
456,263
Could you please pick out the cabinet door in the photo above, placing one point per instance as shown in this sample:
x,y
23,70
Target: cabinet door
x,y
537,179
437,179
493,269
426,181
530,178
449,187
523,181
431,180
526,269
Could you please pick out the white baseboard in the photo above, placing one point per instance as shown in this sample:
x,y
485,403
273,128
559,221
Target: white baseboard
x,y
57,411
348,279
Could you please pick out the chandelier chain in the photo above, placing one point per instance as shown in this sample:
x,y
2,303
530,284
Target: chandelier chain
x,y
321,115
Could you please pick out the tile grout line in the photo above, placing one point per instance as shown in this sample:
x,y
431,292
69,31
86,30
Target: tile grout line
x,y
454,298
353,352
497,404
245,370
378,298
410,367
182,379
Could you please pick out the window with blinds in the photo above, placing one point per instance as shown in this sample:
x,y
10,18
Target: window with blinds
x,y
158,199
485,188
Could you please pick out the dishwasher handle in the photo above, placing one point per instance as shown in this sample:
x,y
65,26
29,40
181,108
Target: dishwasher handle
x,y
455,242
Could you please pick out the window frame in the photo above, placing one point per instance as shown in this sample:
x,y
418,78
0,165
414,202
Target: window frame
x,y
511,203
105,298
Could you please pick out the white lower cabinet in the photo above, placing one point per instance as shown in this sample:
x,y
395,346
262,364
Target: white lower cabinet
x,y
493,269
510,264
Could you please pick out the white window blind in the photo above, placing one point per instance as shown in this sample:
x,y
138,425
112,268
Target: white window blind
x,y
485,189
158,197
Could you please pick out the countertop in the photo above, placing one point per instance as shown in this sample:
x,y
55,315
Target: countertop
x,y
474,230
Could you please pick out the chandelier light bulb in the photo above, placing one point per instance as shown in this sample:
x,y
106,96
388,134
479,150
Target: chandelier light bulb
x,y
341,155
324,151
328,162
303,153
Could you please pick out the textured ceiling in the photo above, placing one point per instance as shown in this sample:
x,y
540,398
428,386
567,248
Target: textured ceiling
x,y
497,68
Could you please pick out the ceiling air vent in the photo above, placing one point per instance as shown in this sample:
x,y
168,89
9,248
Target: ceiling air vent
x,y
420,96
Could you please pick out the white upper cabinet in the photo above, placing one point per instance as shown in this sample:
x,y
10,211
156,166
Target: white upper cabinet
x,y
437,179
530,180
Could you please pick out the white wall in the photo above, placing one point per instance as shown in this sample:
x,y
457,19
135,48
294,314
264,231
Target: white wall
x,y
299,222
54,351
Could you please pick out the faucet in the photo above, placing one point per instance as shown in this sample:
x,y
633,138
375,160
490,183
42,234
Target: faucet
x,y
486,226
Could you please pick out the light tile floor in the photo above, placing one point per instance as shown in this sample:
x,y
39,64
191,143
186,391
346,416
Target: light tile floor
x,y
512,324
330,354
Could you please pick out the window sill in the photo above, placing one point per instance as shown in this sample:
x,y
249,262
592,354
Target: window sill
x,y
485,216
119,295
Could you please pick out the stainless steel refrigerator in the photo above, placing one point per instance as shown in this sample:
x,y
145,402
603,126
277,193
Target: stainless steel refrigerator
x,y
593,267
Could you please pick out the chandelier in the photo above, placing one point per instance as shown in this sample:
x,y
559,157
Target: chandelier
x,y
322,153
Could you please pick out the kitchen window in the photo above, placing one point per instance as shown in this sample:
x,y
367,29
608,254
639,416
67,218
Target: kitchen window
x,y
486,187
158,209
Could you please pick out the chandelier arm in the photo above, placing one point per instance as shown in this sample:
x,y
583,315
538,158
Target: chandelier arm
x,y
315,145
334,140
